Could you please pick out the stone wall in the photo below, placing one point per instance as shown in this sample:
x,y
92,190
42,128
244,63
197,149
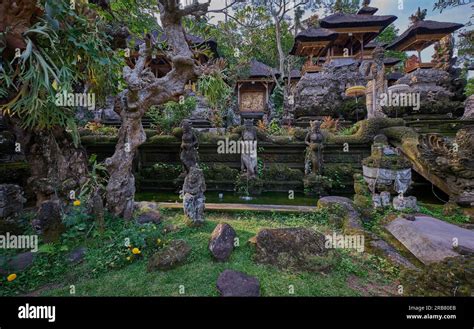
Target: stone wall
x,y
290,155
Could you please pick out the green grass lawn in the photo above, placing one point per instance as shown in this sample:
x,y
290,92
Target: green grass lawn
x,y
355,274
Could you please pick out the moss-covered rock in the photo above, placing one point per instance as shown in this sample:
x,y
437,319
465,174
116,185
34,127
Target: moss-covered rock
x,y
366,131
291,248
171,256
98,139
163,139
398,134
393,162
342,213
177,132
451,277
317,185
281,140
150,133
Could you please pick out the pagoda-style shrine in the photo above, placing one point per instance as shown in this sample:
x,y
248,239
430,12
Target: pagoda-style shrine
x,y
354,31
341,37
311,43
420,35
254,90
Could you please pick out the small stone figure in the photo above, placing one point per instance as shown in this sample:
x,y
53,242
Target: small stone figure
x,y
314,141
189,146
376,86
193,196
248,158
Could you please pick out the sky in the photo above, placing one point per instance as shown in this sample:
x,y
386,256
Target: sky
x,y
400,8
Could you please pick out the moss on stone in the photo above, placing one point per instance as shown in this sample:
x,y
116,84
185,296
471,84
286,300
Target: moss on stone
x,y
400,134
149,133
177,132
281,172
299,133
393,162
163,139
99,139
318,185
451,277
219,172
366,131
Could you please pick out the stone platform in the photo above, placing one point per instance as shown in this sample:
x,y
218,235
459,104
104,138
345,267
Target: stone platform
x,y
430,239
243,207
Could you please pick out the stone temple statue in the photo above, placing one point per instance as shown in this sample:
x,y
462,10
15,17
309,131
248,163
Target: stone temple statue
x,y
189,146
376,85
248,159
314,142
193,196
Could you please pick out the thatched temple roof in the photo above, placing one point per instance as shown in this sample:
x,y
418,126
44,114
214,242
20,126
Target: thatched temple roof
x,y
423,34
367,10
314,34
340,20
260,70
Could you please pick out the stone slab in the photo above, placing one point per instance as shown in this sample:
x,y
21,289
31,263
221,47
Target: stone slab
x,y
430,239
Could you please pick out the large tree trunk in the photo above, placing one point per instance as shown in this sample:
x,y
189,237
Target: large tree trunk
x,y
121,185
144,90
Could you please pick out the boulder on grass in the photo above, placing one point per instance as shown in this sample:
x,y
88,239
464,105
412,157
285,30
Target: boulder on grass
x,y
22,261
171,256
237,284
292,248
48,221
343,212
150,216
222,240
76,255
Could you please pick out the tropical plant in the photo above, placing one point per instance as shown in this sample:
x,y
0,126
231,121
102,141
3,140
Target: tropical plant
x,y
168,116
470,88
330,124
217,93
96,180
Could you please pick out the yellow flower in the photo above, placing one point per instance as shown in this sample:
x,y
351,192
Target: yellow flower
x,y
76,203
11,277
136,251
158,241
129,258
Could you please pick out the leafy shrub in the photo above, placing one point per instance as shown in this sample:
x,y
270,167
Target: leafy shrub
x,y
317,184
219,172
168,116
248,187
97,128
281,172
163,171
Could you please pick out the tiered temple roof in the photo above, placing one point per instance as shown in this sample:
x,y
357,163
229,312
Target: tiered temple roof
x,y
422,34
419,36
340,36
